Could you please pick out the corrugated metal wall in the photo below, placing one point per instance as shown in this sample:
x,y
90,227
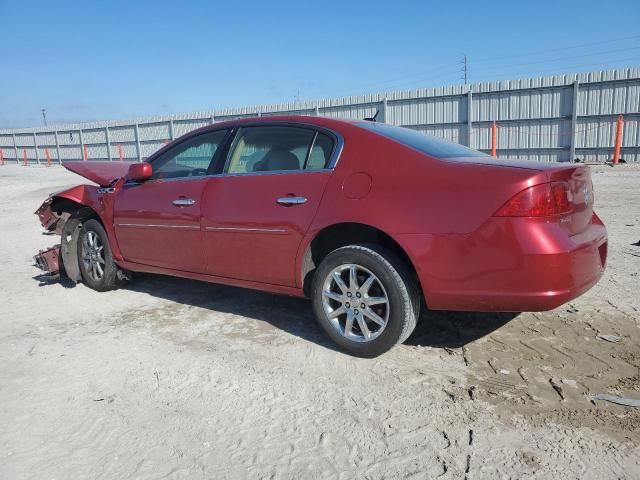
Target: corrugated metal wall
x,y
543,118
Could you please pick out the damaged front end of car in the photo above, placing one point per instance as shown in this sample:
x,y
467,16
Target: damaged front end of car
x,y
50,220
49,260
54,222
64,213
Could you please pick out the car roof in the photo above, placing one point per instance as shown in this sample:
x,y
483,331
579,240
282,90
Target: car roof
x,y
326,122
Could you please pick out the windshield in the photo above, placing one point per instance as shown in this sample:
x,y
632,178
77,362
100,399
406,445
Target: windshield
x,y
422,142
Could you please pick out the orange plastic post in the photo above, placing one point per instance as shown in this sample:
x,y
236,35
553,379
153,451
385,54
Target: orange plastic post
x,y
618,144
1,157
494,138
120,152
86,153
46,152
25,161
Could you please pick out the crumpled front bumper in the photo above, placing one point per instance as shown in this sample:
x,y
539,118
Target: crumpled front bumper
x,y
49,260
49,219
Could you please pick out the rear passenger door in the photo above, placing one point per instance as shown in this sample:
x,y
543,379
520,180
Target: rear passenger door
x,y
256,213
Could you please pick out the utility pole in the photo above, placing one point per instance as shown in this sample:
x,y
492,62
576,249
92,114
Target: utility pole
x,y
464,69
44,115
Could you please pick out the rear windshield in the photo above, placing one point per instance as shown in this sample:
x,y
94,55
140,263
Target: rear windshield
x,y
422,142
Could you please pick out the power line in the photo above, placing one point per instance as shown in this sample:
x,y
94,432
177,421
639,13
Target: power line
x,y
558,59
464,71
482,61
391,83
560,49
447,70
564,68
444,70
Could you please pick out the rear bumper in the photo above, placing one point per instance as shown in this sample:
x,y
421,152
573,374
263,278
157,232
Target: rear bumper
x,y
509,264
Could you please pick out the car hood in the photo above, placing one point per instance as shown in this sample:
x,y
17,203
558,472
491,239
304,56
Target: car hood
x,y
102,173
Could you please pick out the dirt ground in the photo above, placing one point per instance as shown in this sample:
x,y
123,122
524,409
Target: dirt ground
x,y
180,379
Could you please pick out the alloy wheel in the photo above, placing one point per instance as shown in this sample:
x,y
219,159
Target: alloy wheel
x,y
355,302
93,255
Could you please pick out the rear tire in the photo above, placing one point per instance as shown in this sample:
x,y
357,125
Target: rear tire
x,y
97,267
366,299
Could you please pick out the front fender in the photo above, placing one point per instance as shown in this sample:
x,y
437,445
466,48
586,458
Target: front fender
x,y
81,202
82,194
51,212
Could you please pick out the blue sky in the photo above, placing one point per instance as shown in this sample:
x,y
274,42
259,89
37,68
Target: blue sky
x,y
121,59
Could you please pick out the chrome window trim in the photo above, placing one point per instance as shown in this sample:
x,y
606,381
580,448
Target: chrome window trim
x,y
162,180
271,172
331,165
239,174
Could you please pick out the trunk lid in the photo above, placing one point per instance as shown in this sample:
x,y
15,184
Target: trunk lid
x,y
511,163
102,173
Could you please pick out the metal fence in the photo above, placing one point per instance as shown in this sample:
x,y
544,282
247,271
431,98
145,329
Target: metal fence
x,y
545,118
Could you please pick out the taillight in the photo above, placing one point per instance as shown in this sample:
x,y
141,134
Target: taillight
x,y
544,200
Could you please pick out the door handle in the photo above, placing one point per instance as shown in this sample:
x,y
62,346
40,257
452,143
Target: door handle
x,y
183,202
291,201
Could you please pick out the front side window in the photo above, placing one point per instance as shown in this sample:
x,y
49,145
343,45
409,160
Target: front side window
x,y
190,158
271,148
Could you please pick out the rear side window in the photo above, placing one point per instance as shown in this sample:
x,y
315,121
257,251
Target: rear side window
x,y
279,148
433,146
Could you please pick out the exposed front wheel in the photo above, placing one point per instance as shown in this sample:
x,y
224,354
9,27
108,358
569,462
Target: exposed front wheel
x,y
97,267
364,297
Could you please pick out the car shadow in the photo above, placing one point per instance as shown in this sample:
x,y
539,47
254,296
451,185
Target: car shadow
x,y
290,314
45,279
294,315
447,329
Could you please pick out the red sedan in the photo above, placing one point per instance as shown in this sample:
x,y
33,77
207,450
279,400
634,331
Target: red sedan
x,y
370,221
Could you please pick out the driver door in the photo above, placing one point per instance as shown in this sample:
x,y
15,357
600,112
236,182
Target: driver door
x,y
157,222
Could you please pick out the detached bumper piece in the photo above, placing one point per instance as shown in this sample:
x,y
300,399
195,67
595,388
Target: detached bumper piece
x,y
49,260
48,218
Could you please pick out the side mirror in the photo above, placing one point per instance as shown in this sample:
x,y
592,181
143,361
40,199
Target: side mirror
x,y
139,172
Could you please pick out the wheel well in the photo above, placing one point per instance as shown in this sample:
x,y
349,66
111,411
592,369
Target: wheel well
x,y
65,205
340,235
66,209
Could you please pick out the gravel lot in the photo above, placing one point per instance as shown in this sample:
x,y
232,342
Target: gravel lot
x,y
171,378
